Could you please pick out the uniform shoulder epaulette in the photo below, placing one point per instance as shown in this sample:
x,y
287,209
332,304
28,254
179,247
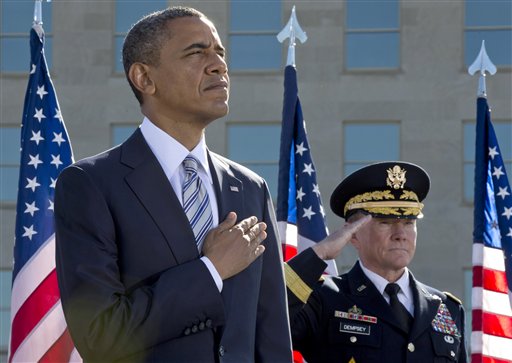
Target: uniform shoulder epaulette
x,y
296,285
453,297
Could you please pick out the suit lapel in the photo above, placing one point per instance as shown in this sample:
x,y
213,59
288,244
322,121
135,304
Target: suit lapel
x,y
149,182
229,193
426,306
228,189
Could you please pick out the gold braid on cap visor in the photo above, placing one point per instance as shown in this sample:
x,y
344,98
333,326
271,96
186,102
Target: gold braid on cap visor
x,y
383,202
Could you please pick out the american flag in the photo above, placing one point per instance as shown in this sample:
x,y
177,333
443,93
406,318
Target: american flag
x,y
38,328
491,337
300,215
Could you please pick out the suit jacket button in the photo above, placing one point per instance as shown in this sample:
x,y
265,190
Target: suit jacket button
x,y
187,331
201,326
222,351
194,329
410,347
208,323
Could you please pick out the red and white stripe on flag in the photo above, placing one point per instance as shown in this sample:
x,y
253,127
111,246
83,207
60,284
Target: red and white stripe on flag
x,y
288,234
491,337
38,327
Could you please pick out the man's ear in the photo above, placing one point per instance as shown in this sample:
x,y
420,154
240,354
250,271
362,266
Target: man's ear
x,y
354,241
140,76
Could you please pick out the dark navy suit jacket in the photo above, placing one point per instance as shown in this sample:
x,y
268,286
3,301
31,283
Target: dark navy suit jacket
x,y
131,282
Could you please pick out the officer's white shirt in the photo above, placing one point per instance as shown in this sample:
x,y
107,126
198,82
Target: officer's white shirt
x,y
405,295
170,154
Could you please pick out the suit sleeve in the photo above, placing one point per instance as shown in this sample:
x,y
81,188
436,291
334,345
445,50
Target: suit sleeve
x,y
273,343
107,321
302,274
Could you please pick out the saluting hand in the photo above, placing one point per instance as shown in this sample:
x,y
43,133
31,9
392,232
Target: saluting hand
x,y
232,248
331,246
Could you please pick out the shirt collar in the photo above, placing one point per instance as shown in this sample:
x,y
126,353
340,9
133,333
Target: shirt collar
x,y
199,152
170,152
381,283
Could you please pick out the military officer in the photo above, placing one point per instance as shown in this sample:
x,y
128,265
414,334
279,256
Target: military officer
x,y
378,311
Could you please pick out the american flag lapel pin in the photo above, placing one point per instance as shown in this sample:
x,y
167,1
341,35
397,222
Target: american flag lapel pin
x,y
233,188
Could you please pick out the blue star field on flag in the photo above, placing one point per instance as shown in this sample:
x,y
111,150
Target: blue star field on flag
x,y
45,151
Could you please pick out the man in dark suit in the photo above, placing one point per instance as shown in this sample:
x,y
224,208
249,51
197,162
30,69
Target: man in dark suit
x,y
378,311
166,251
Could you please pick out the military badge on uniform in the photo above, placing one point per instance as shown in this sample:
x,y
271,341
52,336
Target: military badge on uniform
x,y
355,310
449,339
361,288
443,322
355,313
357,323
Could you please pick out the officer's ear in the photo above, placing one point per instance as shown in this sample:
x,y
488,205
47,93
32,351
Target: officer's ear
x,y
355,241
354,238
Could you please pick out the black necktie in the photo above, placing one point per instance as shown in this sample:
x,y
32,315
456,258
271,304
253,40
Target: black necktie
x,y
401,313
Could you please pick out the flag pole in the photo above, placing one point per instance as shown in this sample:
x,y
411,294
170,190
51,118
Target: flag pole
x,y
37,23
38,12
292,30
482,64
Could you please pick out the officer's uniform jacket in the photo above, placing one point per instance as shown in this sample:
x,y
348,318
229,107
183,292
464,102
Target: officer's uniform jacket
x,y
345,319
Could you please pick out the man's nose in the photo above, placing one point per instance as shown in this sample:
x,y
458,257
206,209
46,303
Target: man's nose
x,y
398,230
218,65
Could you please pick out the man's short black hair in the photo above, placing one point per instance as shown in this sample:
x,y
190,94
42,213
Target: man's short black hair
x,y
145,39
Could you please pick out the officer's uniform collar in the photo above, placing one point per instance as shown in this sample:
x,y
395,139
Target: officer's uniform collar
x,y
405,295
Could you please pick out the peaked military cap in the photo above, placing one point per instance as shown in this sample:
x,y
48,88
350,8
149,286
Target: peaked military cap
x,y
387,189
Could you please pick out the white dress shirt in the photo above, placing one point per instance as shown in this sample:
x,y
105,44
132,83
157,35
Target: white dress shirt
x,y
404,295
170,154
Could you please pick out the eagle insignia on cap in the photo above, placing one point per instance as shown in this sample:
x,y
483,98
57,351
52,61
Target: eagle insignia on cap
x,y
396,177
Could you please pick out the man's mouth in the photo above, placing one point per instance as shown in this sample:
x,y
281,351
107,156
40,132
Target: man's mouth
x,y
217,86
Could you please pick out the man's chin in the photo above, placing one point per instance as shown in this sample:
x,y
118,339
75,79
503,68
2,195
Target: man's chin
x,y
220,110
216,113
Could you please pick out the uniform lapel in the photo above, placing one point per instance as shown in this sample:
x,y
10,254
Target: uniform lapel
x,y
426,306
149,182
368,298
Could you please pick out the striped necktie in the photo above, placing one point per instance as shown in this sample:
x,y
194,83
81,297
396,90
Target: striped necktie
x,y
196,202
